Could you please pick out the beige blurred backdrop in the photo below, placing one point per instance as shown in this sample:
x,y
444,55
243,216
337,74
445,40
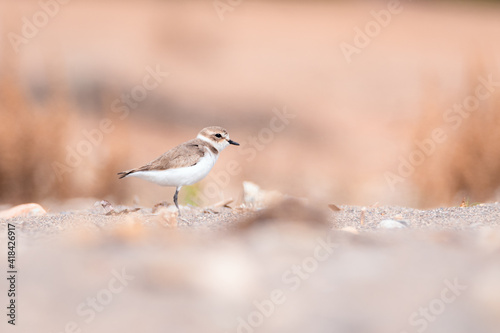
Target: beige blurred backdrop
x,y
345,102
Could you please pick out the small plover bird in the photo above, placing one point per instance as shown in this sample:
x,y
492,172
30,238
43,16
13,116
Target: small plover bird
x,y
186,164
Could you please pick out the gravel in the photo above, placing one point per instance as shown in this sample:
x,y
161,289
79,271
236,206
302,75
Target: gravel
x,y
222,218
454,218
290,269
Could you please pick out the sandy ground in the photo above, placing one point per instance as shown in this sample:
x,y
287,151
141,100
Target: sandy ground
x,y
287,268
224,218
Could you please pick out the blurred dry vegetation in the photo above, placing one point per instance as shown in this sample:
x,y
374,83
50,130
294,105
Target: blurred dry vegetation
x,y
36,133
467,164
353,120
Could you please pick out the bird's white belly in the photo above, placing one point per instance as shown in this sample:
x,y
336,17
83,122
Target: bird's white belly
x,y
180,176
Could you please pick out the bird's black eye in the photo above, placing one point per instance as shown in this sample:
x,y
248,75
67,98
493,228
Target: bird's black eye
x,y
218,135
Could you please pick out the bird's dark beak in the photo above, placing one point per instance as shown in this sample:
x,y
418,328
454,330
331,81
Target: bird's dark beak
x,y
233,142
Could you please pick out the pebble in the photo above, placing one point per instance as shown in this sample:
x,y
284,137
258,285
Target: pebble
x,y
392,224
168,216
256,197
30,209
350,229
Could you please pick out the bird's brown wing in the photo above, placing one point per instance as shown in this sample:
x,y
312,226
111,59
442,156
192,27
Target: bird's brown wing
x,y
184,155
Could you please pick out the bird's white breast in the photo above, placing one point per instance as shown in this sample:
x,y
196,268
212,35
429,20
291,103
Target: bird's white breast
x,y
180,176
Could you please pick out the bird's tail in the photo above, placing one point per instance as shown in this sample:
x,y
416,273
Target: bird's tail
x,y
124,174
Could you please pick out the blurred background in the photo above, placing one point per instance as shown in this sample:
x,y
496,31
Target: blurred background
x,y
333,101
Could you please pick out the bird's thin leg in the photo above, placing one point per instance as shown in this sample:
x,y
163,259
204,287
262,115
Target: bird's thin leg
x,y
177,204
175,199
